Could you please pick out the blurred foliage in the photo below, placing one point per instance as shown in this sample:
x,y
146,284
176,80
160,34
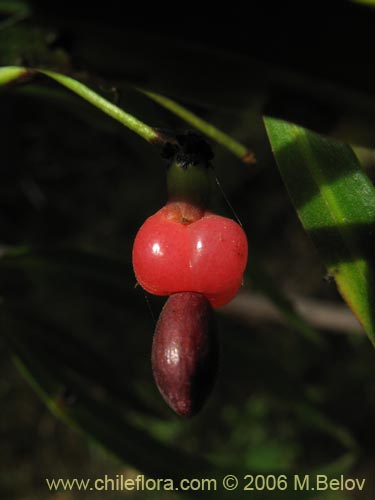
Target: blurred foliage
x,y
75,188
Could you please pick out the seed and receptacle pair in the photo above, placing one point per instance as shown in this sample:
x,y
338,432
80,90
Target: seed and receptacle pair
x,y
197,258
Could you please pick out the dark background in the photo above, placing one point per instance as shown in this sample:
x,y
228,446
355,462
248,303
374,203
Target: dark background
x,y
76,186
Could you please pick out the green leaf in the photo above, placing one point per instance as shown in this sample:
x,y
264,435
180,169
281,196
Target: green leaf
x,y
140,128
369,3
335,202
12,73
235,147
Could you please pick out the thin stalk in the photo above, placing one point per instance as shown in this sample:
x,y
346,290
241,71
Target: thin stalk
x,y
14,73
235,147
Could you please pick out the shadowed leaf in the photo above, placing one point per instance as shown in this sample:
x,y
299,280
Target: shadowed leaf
x,y
335,201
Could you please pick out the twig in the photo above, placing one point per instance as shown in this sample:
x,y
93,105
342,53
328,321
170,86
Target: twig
x,y
328,316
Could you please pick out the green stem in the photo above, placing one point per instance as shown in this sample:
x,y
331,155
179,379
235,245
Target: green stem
x,y
9,74
209,130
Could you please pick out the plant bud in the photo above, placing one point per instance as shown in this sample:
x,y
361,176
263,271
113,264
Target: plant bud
x,y
185,352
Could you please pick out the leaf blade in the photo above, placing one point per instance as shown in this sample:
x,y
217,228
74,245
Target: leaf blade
x,y
235,147
9,74
335,202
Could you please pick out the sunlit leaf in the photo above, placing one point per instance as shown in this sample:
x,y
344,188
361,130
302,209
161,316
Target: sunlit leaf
x,y
10,73
234,146
335,201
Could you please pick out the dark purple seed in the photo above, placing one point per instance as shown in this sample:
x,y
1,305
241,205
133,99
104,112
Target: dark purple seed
x,y
185,352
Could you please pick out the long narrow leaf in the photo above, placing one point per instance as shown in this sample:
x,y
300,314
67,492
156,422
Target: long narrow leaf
x,y
235,147
9,74
13,73
335,202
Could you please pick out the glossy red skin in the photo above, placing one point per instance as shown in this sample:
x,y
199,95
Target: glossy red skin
x,y
207,255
